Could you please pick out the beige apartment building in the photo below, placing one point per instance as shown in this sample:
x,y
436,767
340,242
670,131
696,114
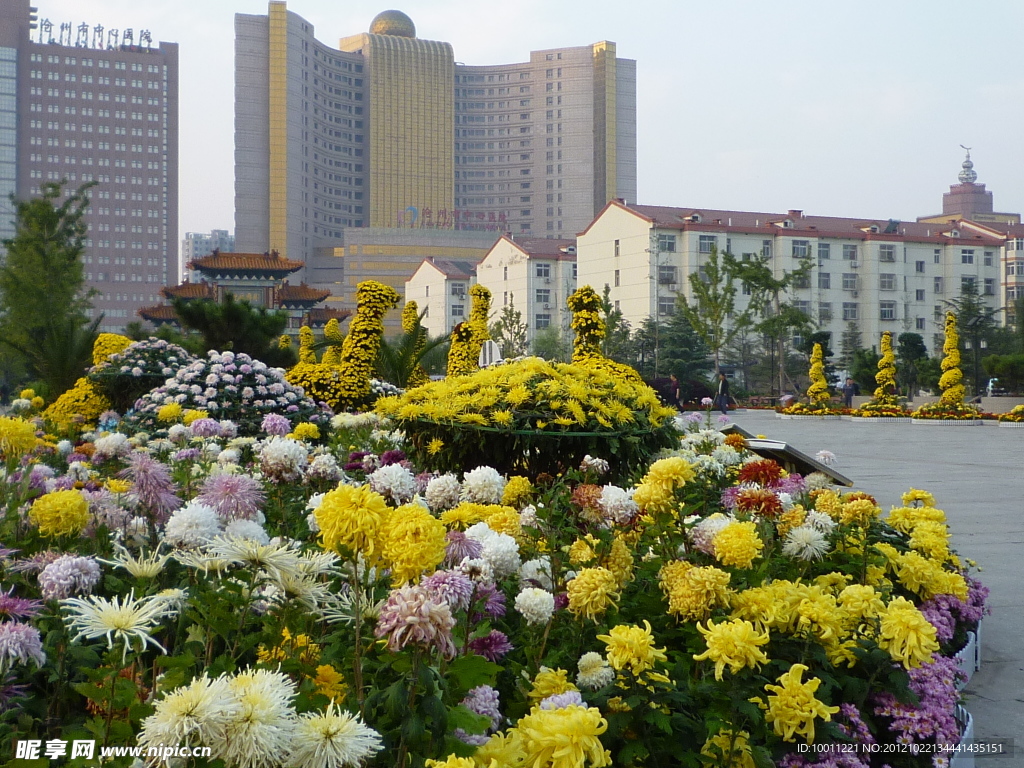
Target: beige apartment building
x,y
884,275
440,289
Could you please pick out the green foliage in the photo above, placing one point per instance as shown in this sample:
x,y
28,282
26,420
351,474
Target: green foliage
x,y
551,344
399,358
617,343
1009,369
849,343
712,315
43,300
238,326
864,367
510,330
910,351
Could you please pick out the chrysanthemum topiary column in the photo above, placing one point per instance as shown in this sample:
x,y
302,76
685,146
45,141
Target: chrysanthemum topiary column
x,y
589,329
817,393
411,324
949,383
885,392
468,338
85,399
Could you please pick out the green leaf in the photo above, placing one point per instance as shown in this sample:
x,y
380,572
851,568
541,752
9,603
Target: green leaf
x,y
470,671
468,720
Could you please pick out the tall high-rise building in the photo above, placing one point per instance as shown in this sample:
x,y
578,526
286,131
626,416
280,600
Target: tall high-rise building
x,y
195,245
386,130
80,104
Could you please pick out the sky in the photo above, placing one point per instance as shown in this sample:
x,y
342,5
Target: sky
x,y
840,109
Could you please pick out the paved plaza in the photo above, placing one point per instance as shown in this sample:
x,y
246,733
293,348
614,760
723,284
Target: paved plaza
x,y
976,476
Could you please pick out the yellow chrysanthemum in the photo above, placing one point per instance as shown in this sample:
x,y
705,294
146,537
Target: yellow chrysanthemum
x,y
791,519
792,706
632,647
27,394
306,431
60,513
581,552
564,738
330,682
592,592
693,591
905,519
452,761
729,750
435,446
620,561
17,437
351,520
194,414
738,544
928,578
464,515
914,494
169,412
757,605
858,512
37,402
906,634
828,501
517,491
658,487
550,682
735,643
412,543
504,520
859,602
117,486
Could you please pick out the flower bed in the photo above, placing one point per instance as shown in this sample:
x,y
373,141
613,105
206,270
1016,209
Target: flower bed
x,y
1013,418
306,595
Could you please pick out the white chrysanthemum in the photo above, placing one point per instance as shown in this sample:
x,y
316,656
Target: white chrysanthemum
x,y
195,714
617,504
283,459
443,492
600,466
178,433
229,456
194,525
263,729
355,420
395,482
820,520
79,472
499,549
142,567
246,529
274,558
805,542
332,739
114,445
478,569
708,465
594,671
537,572
528,516
786,500
817,481
536,605
726,455
136,532
324,467
125,621
483,485
826,457
703,533
64,447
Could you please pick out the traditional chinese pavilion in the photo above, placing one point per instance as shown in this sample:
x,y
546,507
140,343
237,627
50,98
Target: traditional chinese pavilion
x,y
258,278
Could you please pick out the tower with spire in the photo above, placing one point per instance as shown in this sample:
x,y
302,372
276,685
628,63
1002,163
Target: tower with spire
x,y
969,200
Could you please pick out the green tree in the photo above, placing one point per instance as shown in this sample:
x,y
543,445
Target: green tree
x,y
712,314
550,344
616,344
44,304
780,321
1009,369
509,331
910,351
682,349
849,343
977,324
399,357
864,367
238,326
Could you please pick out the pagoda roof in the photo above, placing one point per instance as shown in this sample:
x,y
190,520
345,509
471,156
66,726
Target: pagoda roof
x,y
188,290
252,263
320,316
159,315
300,294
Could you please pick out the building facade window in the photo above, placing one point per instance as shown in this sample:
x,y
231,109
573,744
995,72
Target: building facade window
x,y
887,282
849,281
666,306
887,252
667,244
542,321
966,255
919,266
937,286
990,287
801,249
543,270
824,312
887,310
849,252
666,275
543,296
968,283
706,243
824,251
824,280
919,294
849,310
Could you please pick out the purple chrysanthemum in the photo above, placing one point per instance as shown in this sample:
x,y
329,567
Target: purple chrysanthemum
x,y
235,497
205,427
276,424
67,576
13,607
152,485
186,454
36,562
394,456
483,700
453,587
792,484
20,643
492,646
562,700
459,547
494,601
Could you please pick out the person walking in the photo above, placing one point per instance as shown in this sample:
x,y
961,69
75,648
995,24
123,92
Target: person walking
x,y
849,390
722,398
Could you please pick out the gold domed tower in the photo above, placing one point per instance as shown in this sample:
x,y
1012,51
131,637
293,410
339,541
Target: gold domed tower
x,y
392,23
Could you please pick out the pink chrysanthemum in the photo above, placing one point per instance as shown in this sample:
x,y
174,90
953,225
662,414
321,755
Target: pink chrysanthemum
x,y
413,615
235,497
152,485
